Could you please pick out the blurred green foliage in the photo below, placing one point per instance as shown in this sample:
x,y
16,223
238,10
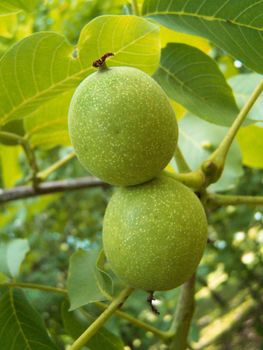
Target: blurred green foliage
x,y
231,271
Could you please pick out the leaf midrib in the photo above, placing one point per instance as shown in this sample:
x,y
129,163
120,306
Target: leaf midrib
x,y
10,292
185,86
205,17
68,78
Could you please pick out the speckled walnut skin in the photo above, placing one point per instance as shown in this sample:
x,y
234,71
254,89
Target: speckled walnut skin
x,y
154,234
122,126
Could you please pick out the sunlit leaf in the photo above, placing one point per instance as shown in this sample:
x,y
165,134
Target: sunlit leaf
x,y
48,125
12,254
44,65
170,36
9,160
8,25
235,26
20,325
198,139
86,283
250,140
193,79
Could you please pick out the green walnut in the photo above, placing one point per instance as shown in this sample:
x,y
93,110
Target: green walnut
x,y
154,234
122,126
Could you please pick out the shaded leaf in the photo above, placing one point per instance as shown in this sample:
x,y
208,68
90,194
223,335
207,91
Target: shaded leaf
x,y
14,127
20,325
193,79
250,140
243,85
12,255
235,26
198,139
44,65
86,283
76,322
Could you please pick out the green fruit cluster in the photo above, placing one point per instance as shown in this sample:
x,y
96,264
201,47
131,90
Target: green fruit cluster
x,y
124,131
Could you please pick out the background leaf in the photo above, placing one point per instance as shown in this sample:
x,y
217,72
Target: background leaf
x,y
9,160
20,325
44,65
193,79
235,26
250,140
198,139
7,6
8,25
243,85
76,322
12,255
86,283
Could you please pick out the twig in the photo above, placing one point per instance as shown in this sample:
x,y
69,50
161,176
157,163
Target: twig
x,y
35,286
50,187
42,175
180,161
194,179
99,322
27,150
214,165
221,199
135,8
31,161
183,316
161,334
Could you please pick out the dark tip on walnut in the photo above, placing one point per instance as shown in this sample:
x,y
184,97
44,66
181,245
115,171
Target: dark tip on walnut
x,y
150,300
101,61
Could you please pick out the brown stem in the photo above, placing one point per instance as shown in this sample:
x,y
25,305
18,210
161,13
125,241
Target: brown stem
x,y
21,192
100,63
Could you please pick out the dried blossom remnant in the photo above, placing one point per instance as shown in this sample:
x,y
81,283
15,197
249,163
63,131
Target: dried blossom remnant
x,y
150,300
100,62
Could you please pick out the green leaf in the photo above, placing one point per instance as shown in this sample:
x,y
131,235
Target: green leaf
x,y
193,79
198,139
14,127
86,283
9,160
250,140
235,26
76,322
3,278
48,125
100,265
8,25
7,6
44,65
20,325
12,255
243,85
